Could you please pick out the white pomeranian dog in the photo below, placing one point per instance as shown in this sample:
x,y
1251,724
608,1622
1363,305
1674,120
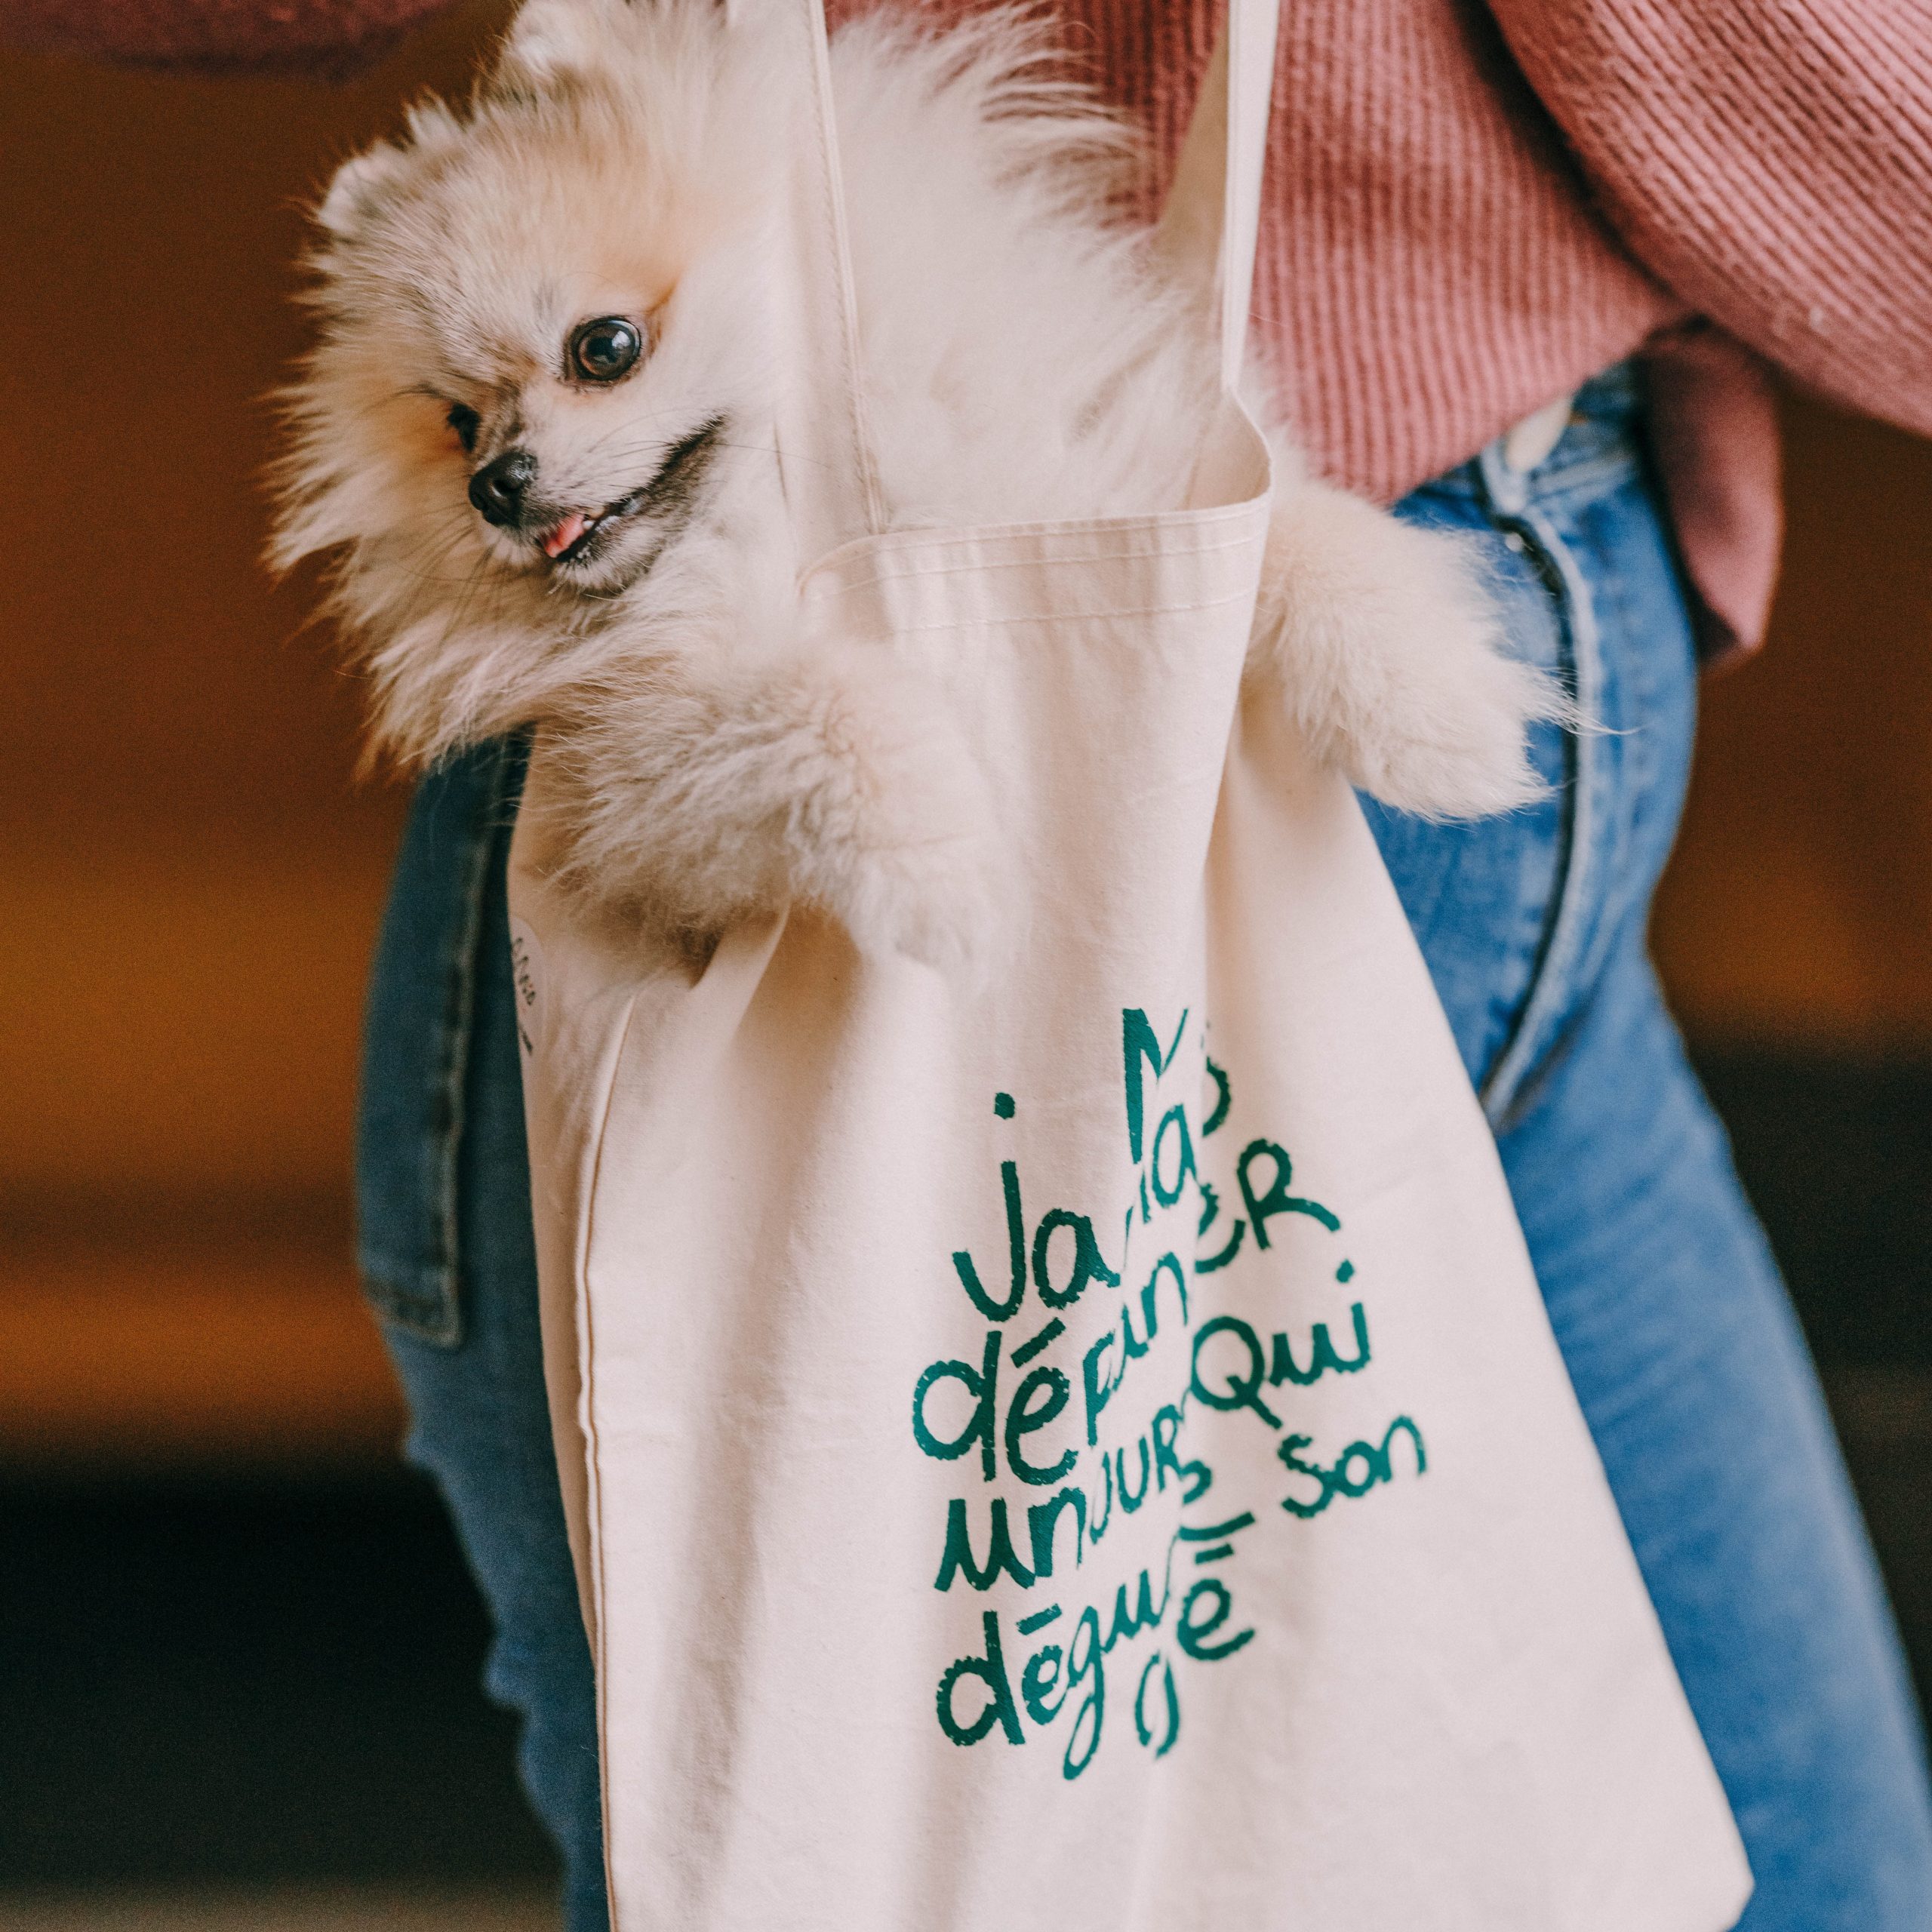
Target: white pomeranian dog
x,y
536,432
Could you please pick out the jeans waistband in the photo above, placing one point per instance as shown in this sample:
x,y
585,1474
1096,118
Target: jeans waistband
x,y
1601,444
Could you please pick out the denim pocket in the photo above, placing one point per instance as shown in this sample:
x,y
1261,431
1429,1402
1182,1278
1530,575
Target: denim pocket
x,y
1515,914
1481,895
417,1039
1566,920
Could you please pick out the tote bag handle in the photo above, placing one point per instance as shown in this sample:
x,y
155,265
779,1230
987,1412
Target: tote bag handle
x,y
1208,229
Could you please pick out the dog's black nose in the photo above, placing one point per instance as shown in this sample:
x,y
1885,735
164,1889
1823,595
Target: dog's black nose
x,y
497,488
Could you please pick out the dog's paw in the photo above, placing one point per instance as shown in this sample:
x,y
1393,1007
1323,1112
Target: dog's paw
x,y
940,923
692,802
1390,653
900,842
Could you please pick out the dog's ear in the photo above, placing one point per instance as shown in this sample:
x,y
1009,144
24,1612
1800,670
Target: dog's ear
x,y
361,184
364,181
551,43
432,125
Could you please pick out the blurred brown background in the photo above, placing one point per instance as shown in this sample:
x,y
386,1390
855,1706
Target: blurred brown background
x,y
191,880
192,877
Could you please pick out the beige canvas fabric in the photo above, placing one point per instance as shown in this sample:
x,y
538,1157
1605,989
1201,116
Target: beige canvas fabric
x,y
1086,1453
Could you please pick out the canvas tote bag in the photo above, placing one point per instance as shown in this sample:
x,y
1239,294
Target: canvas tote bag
x,y
1088,1453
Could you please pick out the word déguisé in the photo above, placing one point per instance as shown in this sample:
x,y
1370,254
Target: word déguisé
x,y
1039,1412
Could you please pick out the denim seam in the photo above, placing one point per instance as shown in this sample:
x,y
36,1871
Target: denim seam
x,y
1560,485
413,1295
1557,481
1509,492
433,1310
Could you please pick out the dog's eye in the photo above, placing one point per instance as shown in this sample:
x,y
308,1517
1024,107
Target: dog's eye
x,y
465,423
603,350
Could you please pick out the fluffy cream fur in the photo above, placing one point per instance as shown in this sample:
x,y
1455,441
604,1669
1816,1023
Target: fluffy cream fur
x,y
1023,359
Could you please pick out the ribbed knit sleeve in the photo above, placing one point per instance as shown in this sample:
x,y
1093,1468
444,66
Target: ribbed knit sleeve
x,y
1430,268
1771,161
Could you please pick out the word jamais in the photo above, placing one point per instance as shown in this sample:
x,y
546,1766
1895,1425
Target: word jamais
x,y
1070,1423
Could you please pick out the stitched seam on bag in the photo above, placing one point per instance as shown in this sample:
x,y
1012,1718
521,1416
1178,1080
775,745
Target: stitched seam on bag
x,y
1156,555
587,1358
891,541
1062,617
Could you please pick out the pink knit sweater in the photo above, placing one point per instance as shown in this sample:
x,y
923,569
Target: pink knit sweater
x,y
1472,209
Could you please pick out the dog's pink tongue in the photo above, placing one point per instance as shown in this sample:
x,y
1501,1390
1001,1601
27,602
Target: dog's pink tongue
x,y
566,534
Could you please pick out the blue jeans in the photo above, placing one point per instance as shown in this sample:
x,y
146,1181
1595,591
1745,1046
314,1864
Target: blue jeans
x,y
1668,1308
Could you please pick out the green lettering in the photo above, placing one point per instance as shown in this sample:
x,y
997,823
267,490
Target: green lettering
x,y
958,1558
1085,1659
1277,1199
1192,1632
991,1670
1016,1242
1175,1117
1089,1263
982,1384
1321,1357
1143,1729
1097,1389
1043,1518
1039,1682
1025,1415
1139,1043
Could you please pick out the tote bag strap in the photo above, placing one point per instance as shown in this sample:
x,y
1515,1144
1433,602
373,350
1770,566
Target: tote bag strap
x,y
1211,222
825,451
1207,230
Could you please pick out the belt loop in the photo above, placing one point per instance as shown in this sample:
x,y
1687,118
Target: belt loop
x,y
1527,445
1507,486
1524,447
